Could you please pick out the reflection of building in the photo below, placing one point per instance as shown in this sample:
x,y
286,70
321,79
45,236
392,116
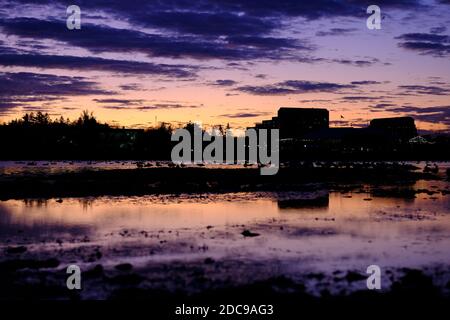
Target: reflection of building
x,y
320,201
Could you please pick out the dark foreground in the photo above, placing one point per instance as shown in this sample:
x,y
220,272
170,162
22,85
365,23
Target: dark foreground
x,y
411,294
197,180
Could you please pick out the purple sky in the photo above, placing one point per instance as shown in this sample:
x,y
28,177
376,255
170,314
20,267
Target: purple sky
x,y
135,63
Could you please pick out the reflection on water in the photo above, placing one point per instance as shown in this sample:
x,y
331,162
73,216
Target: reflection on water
x,y
317,201
328,228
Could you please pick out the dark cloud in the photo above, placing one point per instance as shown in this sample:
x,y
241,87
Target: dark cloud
x,y
427,48
156,106
358,62
266,42
131,87
437,114
383,105
426,90
22,84
439,29
224,83
229,16
426,43
245,114
359,98
6,50
8,106
202,29
365,82
219,23
424,37
171,106
124,101
98,39
96,64
294,87
315,100
335,32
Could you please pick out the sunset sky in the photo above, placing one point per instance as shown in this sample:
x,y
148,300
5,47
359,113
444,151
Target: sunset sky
x,y
136,63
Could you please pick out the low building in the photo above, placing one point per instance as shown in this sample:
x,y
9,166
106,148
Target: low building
x,y
401,129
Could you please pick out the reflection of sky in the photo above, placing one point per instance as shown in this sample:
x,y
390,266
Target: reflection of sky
x,y
19,221
166,61
346,231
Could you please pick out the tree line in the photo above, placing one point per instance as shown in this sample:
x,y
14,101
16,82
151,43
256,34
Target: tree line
x,y
38,137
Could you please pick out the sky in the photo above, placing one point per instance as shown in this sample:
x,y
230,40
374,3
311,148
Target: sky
x,y
139,63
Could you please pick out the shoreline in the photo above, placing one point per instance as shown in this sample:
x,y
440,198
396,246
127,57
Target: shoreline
x,y
175,180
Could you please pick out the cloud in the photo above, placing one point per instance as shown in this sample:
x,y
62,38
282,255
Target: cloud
x,y
335,32
202,29
425,90
358,63
141,10
96,64
424,37
359,98
37,84
436,114
124,101
131,87
7,107
294,87
365,82
224,83
439,29
219,23
156,106
383,105
22,88
315,100
245,114
101,38
433,44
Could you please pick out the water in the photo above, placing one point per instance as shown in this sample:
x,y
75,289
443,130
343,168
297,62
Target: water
x,y
168,238
324,229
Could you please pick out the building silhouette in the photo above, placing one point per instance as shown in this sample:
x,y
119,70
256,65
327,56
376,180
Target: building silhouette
x,y
295,122
306,131
400,128
312,123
